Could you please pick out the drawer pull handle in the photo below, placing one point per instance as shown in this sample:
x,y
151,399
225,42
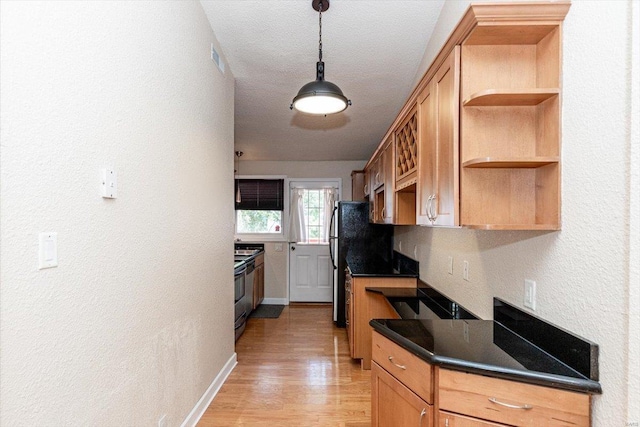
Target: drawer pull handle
x,y
497,402
394,363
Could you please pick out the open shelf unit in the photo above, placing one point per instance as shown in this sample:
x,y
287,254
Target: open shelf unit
x,y
509,97
510,162
510,127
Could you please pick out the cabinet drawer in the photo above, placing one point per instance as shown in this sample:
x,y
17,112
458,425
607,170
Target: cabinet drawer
x,y
510,402
447,419
408,368
394,405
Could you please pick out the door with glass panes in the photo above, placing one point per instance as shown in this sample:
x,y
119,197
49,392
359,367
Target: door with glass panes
x,y
310,266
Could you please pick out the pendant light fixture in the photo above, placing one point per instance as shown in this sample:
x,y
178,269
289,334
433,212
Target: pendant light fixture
x,y
320,96
238,195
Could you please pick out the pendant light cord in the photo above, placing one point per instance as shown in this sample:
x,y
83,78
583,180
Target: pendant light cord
x,y
320,22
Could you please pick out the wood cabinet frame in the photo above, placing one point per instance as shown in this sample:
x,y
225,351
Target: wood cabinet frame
x,y
502,189
362,306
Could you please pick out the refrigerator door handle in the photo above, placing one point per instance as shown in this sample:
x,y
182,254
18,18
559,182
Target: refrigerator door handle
x,y
332,238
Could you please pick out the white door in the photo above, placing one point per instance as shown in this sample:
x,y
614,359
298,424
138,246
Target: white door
x,y
310,266
311,273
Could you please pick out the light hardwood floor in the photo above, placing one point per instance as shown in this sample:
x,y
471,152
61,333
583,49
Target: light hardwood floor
x,y
293,371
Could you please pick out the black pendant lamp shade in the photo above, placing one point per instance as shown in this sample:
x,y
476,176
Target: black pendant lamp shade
x,y
320,96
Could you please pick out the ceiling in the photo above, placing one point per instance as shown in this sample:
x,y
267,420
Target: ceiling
x,y
371,49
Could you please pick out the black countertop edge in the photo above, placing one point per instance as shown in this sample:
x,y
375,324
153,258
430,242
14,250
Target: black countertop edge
x,y
531,377
389,274
394,292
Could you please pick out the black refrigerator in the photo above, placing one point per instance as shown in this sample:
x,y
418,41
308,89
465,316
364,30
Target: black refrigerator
x,y
354,240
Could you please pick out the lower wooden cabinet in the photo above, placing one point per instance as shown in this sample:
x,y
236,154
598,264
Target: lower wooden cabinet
x,y
408,391
258,281
394,405
447,419
510,402
362,306
408,368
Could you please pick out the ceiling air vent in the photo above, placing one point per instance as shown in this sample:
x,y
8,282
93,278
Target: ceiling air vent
x,y
215,57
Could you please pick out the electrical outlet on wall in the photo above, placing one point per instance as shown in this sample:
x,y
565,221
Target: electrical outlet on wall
x,y
530,294
465,331
450,265
465,270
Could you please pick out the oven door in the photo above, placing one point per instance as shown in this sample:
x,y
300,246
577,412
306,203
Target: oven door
x,y
239,282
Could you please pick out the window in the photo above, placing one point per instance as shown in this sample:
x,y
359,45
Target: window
x,y
259,210
258,222
311,210
313,202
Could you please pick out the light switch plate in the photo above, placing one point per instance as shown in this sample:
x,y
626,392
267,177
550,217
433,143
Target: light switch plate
x,y
47,250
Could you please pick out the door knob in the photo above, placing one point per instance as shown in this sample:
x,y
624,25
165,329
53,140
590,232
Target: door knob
x,y
293,248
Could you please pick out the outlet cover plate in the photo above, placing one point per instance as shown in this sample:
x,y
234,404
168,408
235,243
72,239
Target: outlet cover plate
x,y
530,294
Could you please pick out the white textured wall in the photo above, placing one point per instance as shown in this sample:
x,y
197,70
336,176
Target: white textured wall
x,y
276,262
587,281
136,321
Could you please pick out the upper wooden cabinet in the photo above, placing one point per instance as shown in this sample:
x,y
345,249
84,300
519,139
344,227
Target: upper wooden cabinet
x,y
406,168
477,143
388,208
367,183
406,148
438,118
381,201
377,172
358,186
510,126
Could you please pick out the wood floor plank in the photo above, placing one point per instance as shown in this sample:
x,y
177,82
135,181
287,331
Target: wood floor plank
x,y
293,371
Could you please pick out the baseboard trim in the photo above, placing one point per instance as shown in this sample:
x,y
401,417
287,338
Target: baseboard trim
x,y
206,399
276,301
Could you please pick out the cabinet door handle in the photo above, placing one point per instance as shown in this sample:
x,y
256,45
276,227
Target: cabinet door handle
x,y
433,213
497,402
428,207
394,363
422,414
382,213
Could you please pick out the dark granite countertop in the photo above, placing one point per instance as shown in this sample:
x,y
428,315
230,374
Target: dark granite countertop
x,y
455,339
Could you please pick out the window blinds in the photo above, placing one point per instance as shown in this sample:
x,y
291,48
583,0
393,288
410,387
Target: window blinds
x,y
260,194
